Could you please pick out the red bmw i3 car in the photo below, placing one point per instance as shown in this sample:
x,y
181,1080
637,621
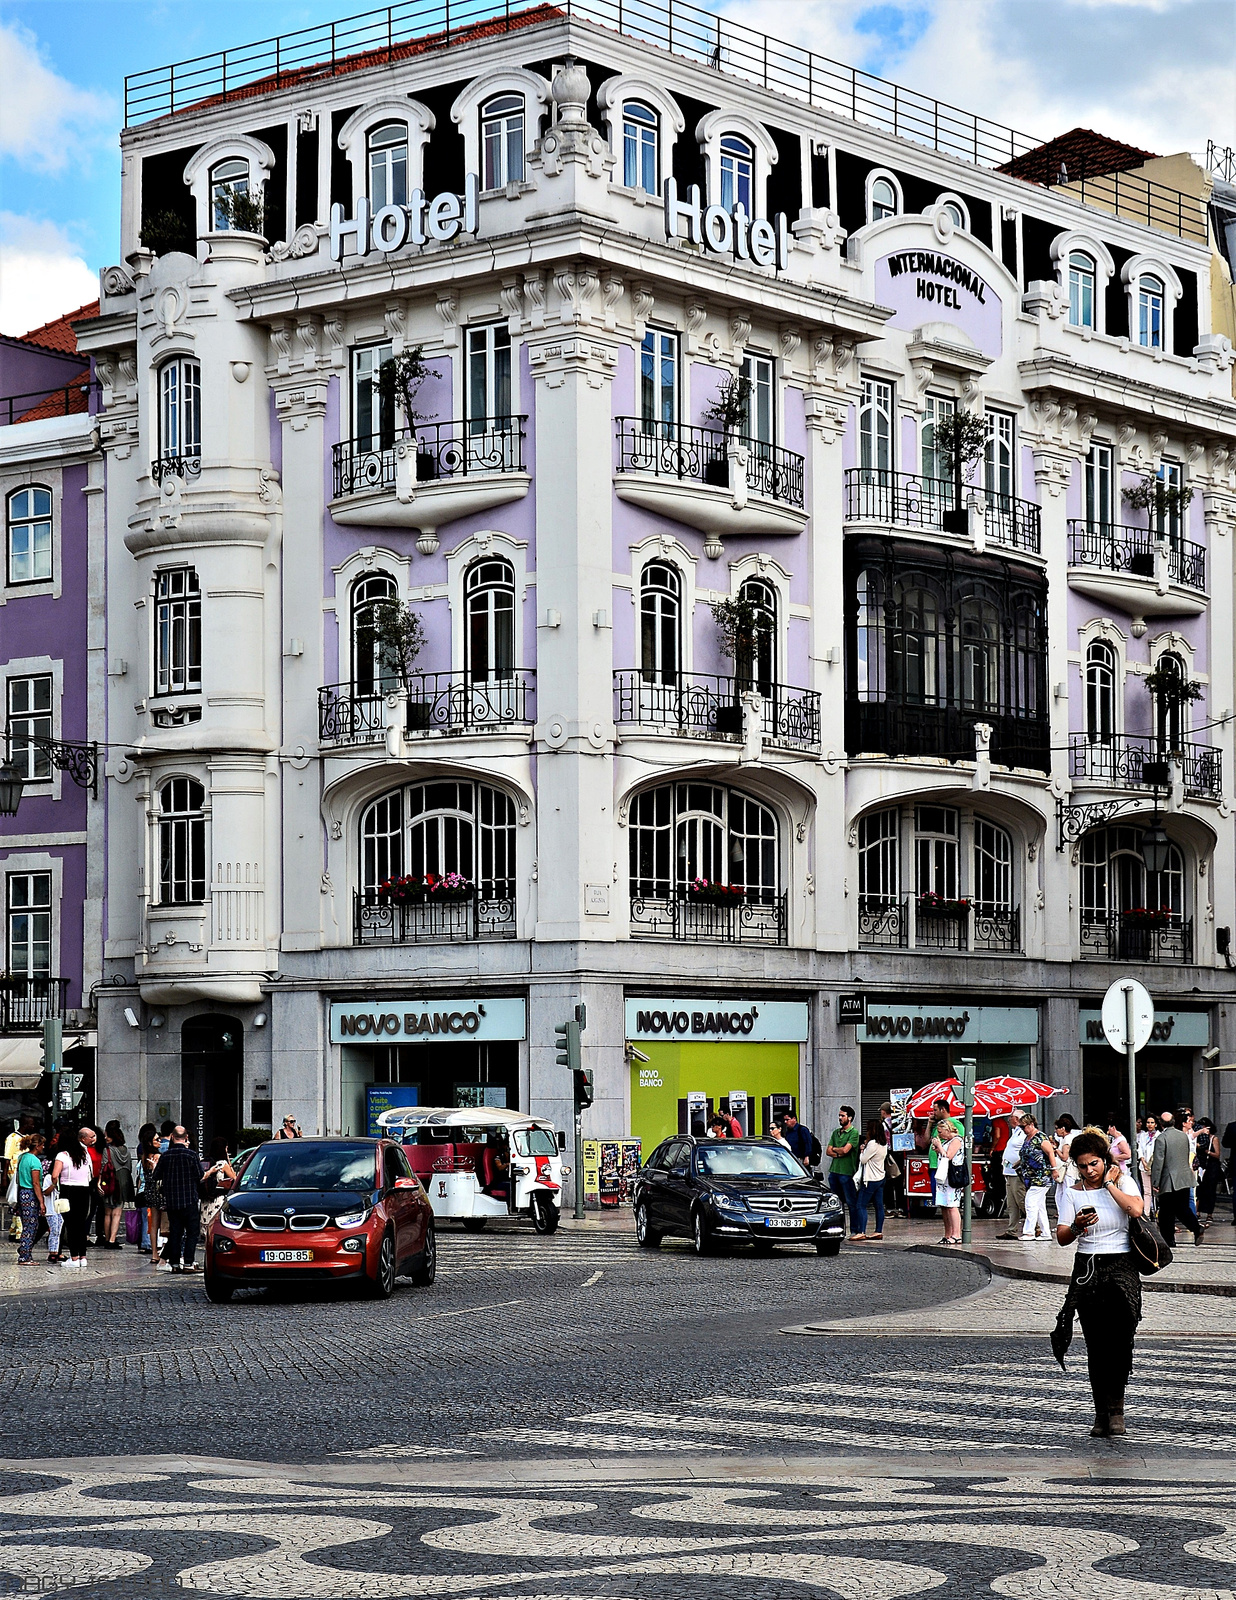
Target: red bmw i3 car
x,y
305,1210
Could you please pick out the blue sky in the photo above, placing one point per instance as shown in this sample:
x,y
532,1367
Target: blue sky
x,y
1159,73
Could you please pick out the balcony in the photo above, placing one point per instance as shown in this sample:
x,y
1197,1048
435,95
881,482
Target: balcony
x,y
448,703
1119,936
701,478
436,473
378,920
1137,570
888,728
900,922
700,705
1127,761
904,500
27,1003
690,921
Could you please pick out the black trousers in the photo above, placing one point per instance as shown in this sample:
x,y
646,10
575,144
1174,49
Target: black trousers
x,y
77,1219
184,1225
1109,1323
1175,1207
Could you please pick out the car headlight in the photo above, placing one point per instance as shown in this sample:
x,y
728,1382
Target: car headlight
x,y
830,1202
232,1219
352,1219
728,1202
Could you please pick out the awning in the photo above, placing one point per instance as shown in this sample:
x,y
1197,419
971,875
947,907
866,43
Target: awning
x,y
20,1063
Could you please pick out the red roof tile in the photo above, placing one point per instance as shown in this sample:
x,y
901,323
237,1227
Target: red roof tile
x,y
1081,153
58,334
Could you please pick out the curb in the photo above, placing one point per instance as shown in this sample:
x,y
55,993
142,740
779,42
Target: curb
x,y
1000,1270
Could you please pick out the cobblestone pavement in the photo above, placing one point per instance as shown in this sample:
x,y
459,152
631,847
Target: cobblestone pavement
x,y
572,1418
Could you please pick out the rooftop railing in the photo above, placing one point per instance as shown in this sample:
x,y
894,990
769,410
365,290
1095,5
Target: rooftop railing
x,y
414,27
69,400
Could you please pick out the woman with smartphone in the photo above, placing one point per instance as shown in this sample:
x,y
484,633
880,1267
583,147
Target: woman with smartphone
x,y
1105,1290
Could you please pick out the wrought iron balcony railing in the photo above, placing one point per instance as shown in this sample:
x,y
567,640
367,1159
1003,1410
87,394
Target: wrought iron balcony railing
x,y
701,705
891,728
903,499
487,912
437,702
445,451
1113,547
1129,761
182,467
701,455
26,1003
1117,936
691,921
892,922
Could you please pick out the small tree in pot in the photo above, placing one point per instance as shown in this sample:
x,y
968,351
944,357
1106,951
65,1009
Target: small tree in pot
x,y
727,411
1171,692
399,636
961,439
738,623
1163,503
399,381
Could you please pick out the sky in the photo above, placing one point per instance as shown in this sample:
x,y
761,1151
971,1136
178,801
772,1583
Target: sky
x,y
1159,74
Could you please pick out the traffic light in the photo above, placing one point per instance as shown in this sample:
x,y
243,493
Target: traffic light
x,y
966,1071
583,1087
53,1045
68,1090
567,1039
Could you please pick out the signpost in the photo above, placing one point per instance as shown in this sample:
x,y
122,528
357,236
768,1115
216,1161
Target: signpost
x,y
967,1071
1128,1021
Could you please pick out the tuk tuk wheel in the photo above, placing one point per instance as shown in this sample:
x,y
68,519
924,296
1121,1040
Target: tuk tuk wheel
x,y
382,1285
426,1267
545,1214
474,1224
645,1236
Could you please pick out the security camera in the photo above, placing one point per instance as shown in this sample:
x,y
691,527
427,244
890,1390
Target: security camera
x,y
130,1018
636,1055
1209,1055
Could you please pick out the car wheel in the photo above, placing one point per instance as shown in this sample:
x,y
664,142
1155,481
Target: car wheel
x,y
545,1214
474,1224
382,1285
645,1235
426,1268
829,1247
216,1290
701,1236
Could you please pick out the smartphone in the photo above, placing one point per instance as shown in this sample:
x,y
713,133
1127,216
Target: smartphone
x,y
1086,1213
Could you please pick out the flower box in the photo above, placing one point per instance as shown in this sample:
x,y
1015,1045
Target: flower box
x,y
717,472
1146,917
934,905
702,892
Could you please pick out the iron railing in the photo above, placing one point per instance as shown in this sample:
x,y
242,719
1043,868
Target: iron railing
x,y
437,702
182,467
892,922
69,400
486,913
884,727
1221,161
700,705
701,455
1115,936
1113,547
444,450
1132,761
904,499
884,921
690,921
26,1003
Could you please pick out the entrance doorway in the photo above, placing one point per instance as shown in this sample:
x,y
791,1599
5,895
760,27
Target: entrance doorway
x,y
1163,1083
212,1063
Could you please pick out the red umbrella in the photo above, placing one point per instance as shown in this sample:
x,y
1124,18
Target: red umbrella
x,y
993,1097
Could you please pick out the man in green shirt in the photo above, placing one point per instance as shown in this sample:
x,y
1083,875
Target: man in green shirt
x,y
842,1153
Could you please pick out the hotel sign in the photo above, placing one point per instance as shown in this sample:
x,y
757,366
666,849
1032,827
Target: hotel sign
x,y
939,279
421,221
727,233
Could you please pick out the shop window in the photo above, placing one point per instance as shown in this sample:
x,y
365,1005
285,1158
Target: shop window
x,y
28,520
687,831
182,842
28,943
180,410
640,156
178,632
370,672
502,141
387,149
1081,289
30,720
1101,670
440,828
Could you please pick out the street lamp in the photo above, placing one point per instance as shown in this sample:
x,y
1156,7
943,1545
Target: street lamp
x,y
10,789
1156,847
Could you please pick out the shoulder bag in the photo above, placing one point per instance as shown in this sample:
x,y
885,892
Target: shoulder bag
x,y
891,1170
1151,1252
958,1170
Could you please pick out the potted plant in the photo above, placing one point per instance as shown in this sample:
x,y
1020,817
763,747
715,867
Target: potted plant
x,y
399,380
449,886
960,439
166,232
704,891
932,904
1152,495
404,891
738,620
1147,917
1172,691
399,636
727,411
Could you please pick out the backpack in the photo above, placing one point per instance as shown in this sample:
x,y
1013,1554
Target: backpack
x,y
817,1151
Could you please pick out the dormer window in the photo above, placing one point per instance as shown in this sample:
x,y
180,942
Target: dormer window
x,y
502,141
737,172
639,147
952,209
227,178
1081,289
883,202
1150,312
388,165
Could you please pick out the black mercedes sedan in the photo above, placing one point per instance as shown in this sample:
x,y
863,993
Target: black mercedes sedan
x,y
719,1191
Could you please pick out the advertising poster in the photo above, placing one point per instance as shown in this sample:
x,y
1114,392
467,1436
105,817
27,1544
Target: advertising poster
x,y
380,1097
903,1128
592,1171
610,1166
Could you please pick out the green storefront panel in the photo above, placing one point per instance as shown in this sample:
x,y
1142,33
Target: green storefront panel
x,y
674,1070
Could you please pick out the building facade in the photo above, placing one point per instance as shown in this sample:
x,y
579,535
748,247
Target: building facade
x,y
808,759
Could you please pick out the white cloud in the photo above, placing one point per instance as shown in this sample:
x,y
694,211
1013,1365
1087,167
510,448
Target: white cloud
x,y
45,121
42,274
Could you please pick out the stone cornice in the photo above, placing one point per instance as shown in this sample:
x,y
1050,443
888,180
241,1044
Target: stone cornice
x,y
1127,397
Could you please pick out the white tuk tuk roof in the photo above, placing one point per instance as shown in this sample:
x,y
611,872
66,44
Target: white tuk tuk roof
x,y
460,1117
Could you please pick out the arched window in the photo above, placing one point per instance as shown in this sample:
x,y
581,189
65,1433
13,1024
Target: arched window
x,y
388,165
227,178
489,604
936,851
640,157
29,535
875,425
879,863
883,201
914,646
978,635
452,826
371,673
1100,692
684,832
991,886
757,668
182,842
1081,289
1150,312
1170,714
953,209
1114,882
180,410
502,141
737,173
660,619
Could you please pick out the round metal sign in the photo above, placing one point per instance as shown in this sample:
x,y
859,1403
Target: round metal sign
x,y
1115,1014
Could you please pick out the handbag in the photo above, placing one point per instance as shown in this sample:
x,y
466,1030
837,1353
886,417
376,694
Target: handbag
x,y
62,1206
11,1196
1151,1251
891,1170
958,1174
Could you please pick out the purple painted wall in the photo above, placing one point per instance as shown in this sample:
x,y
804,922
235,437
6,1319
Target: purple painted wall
x,y
25,369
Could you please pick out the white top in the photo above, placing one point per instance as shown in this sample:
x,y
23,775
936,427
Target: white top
x,y
871,1162
1145,1146
1110,1234
1012,1150
75,1176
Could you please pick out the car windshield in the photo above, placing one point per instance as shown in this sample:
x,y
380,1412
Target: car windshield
x,y
747,1161
535,1142
293,1165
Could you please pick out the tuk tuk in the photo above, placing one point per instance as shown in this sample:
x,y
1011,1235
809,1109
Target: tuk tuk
x,y
482,1161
